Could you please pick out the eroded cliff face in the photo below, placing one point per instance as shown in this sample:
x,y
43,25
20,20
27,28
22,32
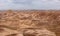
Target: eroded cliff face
x,y
30,23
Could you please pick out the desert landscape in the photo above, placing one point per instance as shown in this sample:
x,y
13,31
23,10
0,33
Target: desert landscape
x,y
30,23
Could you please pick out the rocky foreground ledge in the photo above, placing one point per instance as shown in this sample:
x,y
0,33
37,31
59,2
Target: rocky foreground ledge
x,y
30,23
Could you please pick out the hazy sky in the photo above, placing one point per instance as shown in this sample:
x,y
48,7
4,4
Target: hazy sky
x,y
29,4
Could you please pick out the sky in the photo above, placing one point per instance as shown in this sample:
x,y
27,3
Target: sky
x,y
29,4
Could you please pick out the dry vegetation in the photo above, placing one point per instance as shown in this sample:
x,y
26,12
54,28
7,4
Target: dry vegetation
x,y
33,19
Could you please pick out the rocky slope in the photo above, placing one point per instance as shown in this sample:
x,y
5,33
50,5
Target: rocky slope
x,y
30,23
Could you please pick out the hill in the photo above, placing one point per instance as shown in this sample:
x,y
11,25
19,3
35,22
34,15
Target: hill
x,y
32,19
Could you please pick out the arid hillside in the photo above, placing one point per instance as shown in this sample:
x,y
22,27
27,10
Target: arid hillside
x,y
24,22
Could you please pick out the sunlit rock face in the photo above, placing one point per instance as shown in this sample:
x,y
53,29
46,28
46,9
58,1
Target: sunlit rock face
x,y
38,32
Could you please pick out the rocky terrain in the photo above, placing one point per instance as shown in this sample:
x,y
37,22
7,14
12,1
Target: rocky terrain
x,y
30,23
